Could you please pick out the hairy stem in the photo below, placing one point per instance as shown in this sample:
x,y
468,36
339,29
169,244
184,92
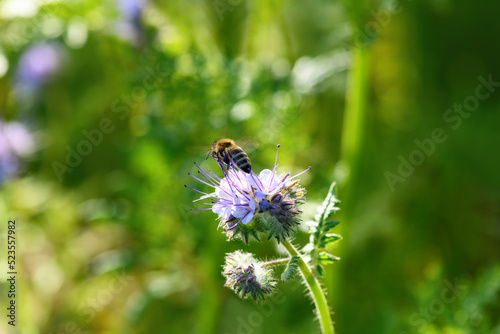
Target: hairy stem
x,y
316,291
276,262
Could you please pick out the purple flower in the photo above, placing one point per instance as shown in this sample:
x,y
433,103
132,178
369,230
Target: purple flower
x,y
235,199
131,9
15,142
269,201
130,27
38,64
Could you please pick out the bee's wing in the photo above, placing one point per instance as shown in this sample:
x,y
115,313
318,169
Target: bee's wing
x,y
201,149
247,144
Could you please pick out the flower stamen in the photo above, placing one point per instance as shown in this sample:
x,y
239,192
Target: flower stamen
x,y
230,228
208,184
275,165
201,192
308,168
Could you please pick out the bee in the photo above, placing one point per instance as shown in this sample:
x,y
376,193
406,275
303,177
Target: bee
x,y
227,151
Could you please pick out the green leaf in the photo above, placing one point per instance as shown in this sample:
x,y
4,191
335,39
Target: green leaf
x,y
290,269
328,206
318,230
329,224
319,269
329,239
327,258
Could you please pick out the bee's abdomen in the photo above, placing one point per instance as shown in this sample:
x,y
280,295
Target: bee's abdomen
x,y
240,159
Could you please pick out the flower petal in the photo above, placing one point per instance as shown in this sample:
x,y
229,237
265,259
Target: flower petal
x,y
239,211
259,195
269,180
248,218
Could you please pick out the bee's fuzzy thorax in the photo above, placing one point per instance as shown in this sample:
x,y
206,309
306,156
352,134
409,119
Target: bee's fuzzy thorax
x,y
226,151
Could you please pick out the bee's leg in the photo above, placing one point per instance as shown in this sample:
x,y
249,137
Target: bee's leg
x,y
228,162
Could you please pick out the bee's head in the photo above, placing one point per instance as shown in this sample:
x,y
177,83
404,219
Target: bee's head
x,y
211,152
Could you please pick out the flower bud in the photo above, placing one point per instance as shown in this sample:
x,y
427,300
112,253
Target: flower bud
x,y
247,276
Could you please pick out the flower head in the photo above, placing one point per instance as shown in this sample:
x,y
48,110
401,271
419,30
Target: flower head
x,y
248,204
247,276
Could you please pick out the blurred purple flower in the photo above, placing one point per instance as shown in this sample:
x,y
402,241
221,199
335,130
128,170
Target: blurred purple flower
x,y
130,27
131,9
15,142
38,64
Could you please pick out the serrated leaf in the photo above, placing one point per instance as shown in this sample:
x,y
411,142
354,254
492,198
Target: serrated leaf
x,y
327,258
329,224
329,239
319,269
290,269
318,233
328,206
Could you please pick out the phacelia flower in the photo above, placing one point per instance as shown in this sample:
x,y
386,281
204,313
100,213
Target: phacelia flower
x,y
248,204
15,142
247,276
130,26
39,63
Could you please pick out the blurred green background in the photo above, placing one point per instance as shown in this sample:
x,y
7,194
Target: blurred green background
x,y
106,241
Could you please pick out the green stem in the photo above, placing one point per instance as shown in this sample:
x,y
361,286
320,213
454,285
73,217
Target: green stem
x,y
355,111
316,291
276,262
